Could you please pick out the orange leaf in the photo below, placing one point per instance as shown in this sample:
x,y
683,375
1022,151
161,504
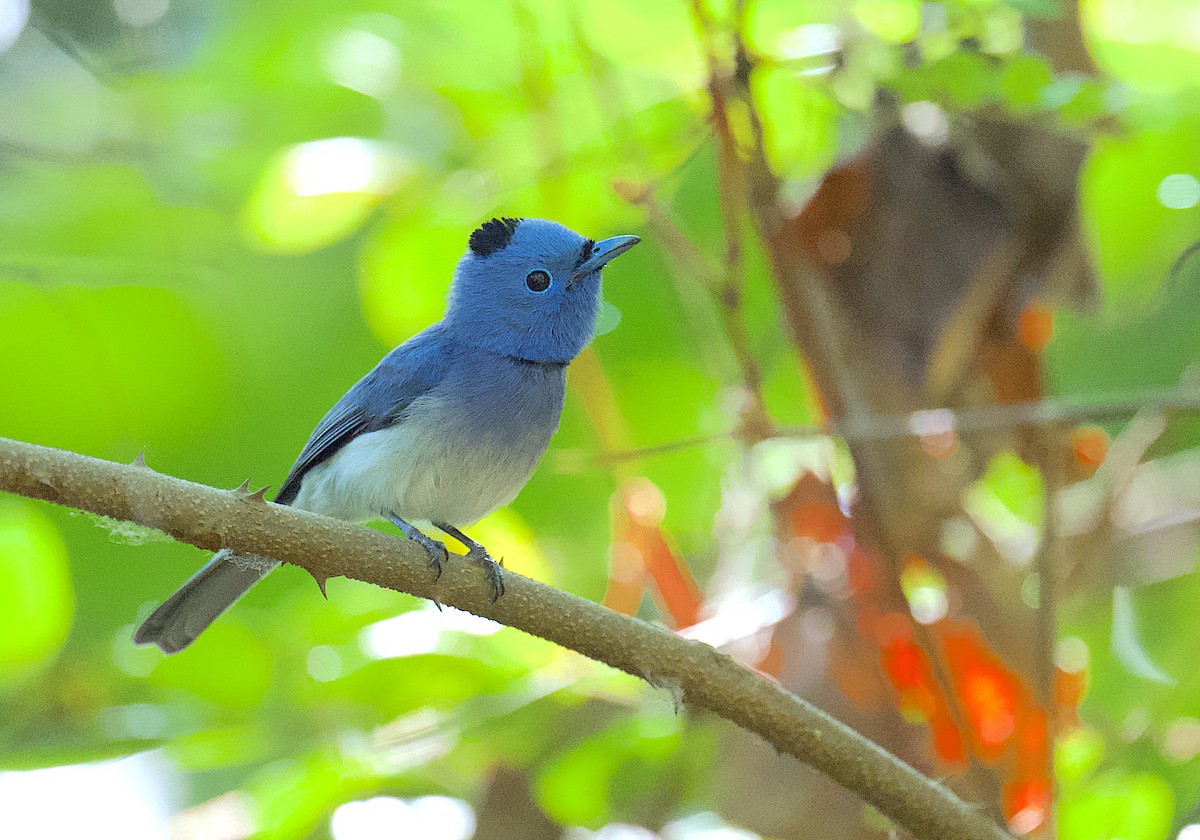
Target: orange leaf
x,y
988,692
640,547
1089,445
772,661
676,588
626,577
1069,688
1026,803
1035,327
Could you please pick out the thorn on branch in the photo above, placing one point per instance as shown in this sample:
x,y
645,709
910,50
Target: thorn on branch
x,y
321,584
707,679
140,460
243,491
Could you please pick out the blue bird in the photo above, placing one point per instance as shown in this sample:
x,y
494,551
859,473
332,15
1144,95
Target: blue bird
x,y
449,426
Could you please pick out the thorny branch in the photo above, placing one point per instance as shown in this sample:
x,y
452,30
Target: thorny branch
x,y
699,675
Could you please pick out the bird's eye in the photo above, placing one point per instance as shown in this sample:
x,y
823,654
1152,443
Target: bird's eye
x,y
537,281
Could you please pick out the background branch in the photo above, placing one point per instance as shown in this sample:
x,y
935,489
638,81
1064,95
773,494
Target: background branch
x,y
1183,399
696,673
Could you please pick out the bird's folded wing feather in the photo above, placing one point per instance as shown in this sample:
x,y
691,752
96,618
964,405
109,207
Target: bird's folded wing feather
x,y
376,401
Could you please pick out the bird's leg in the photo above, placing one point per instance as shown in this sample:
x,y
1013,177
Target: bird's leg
x,y
477,553
436,551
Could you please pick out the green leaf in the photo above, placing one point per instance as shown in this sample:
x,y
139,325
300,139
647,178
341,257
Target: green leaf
x,y
291,798
894,21
227,665
1077,754
392,687
575,787
137,362
1024,81
800,123
73,748
314,194
1016,485
36,597
1129,806
1138,237
965,80
399,251
219,747
1150,44
1050,9
1126,645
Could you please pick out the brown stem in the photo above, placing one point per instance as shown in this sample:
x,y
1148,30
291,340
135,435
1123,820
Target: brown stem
x,y
695,673
878,516
731,196
889,426
1050,461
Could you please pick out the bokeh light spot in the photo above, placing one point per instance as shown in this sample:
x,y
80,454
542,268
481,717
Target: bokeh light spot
x,y
1179,191
925,589
373,819
324,663
315,193
811,40
141,12
14,14
420,631
1181,742
335,165
645,502
363,61
1071,654
927,122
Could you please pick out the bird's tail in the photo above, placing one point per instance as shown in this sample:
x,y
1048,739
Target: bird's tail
x,y
207,594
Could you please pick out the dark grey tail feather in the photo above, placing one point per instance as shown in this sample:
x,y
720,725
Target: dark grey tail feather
x,y
196,604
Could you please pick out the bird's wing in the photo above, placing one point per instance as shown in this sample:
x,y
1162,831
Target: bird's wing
x,y
376,401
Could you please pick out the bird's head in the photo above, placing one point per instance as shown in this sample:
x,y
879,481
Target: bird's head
x,y
530,288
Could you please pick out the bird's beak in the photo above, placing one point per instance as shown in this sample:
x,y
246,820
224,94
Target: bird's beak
x,y
606,250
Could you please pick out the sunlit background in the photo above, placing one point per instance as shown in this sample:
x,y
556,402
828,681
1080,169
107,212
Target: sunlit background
x,y
215,216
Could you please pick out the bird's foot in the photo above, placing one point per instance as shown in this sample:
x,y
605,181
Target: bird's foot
x,y
438,555
476,553
493,569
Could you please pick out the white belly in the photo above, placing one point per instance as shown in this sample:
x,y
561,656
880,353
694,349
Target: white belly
x,y
423,469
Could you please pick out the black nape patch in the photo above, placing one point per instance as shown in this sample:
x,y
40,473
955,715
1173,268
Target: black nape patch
x,y
493,236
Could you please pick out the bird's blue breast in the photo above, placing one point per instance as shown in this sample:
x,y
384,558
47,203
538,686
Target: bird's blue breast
x,y
455,454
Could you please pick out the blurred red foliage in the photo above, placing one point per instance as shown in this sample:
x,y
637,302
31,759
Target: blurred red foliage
x,y
979,709
644,554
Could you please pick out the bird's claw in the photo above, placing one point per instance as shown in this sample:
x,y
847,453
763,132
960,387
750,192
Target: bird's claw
x,y
438,557
493,569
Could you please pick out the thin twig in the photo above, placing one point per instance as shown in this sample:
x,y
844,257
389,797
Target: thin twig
x,y
698,282
696,673
731,197
919,423
877,512
1046,564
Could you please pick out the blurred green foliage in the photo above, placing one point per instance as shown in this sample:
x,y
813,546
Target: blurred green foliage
x,y
214,217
